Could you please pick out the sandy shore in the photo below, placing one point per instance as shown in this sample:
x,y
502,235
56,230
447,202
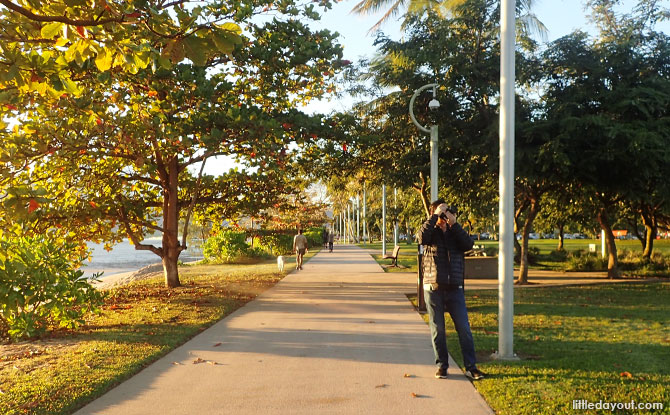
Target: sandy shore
x,y
120,278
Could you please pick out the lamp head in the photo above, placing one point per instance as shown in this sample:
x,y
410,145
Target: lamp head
x,y
434,104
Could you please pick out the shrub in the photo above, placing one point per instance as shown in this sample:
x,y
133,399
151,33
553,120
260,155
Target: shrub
x,y
558,256
40,287
258,252
225,247
533,254
314,237
584,261
277,243
635,265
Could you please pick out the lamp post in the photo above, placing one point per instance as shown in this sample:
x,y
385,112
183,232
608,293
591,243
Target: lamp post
x,y
506,184
433,105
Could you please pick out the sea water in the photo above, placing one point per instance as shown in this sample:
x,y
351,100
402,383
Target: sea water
x,y
125,258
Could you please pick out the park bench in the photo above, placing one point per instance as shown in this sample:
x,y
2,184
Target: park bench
x,y
394,256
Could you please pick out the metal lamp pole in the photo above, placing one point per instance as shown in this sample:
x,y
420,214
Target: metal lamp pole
x,y
433,105
506,184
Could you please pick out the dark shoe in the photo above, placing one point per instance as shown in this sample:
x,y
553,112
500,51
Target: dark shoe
x,y
441,373
475,374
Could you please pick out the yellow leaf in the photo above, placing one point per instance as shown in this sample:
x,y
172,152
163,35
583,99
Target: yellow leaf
x,y
70,86
104,60
49,31
231,27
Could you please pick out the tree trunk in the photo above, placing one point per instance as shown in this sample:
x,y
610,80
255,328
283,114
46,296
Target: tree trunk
x,y
561,227
651,230
171,246
423,193
528,224
612,263
517,215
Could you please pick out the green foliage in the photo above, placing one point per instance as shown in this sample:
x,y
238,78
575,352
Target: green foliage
x,y
118,114
225,247
277,243
533,254
40,288
585,261
558,256
314,236
635,264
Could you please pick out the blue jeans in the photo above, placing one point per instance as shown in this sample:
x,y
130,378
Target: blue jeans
x,y
453,300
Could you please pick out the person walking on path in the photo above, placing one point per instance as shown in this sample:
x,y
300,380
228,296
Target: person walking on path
x,y
445,243
299,247
331,239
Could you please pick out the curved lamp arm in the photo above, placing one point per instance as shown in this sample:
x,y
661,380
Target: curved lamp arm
x,y
411,106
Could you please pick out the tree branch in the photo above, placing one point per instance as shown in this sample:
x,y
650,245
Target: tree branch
x,y
138,245
62,19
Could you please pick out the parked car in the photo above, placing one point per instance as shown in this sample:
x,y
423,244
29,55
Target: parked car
x,y
533,235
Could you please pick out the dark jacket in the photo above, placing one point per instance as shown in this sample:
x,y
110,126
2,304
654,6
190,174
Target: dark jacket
x,y
444,253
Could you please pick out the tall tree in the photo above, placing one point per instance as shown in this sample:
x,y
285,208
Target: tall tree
x,y
610,98
116,157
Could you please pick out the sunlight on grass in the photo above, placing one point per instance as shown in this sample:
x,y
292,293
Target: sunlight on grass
x,y
606,342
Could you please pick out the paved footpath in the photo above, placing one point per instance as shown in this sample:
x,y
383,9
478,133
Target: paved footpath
x,y
338,337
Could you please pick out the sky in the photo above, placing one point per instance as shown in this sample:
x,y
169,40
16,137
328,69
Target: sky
x,y
560,17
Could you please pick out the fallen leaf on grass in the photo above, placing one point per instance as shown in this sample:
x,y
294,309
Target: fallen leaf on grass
x,y
119,307
415,395
217,345
407,375
626,375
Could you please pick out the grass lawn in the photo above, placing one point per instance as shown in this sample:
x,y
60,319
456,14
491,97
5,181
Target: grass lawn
x,y
141,322
599,342
407,257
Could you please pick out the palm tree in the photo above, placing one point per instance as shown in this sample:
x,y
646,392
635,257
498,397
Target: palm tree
x,y
527,23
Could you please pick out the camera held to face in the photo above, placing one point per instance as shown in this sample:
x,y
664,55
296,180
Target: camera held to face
x,y
451,209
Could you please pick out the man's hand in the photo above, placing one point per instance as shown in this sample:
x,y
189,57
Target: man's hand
x,y
451,218
440,209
